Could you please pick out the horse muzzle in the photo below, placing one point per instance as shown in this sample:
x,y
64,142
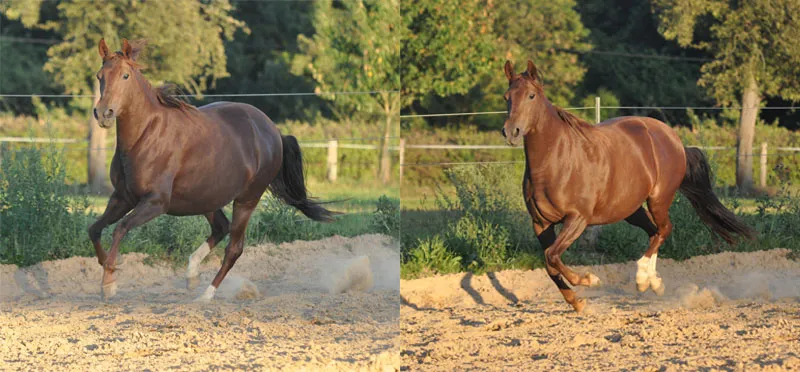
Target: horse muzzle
x,y
513,137
107,119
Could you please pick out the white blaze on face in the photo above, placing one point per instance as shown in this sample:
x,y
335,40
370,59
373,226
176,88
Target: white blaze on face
x,y
192,269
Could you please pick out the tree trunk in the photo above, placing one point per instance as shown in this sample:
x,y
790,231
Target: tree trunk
x,y
747,128
98,174
386,161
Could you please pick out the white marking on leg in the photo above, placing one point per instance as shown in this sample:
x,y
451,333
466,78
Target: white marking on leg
x,y
655,281
642,277
192,269
207,295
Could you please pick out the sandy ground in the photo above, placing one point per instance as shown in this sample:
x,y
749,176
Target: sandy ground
x,y
274,311
730,311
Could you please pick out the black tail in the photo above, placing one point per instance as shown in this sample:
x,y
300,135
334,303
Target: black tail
x,y
290,186
696,186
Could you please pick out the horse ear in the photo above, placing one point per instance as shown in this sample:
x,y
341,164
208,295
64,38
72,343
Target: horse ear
x,y
532,72
102,48
126,48
509,70
136,47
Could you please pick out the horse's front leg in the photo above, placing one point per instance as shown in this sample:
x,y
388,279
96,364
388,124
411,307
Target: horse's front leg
x,y
149,207
117,208
573,227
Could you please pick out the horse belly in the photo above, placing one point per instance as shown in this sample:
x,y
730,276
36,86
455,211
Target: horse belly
x,y
205,194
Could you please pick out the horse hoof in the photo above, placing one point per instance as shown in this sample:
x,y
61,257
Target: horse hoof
x,y
207,295
579,304
657,285
109,290
642,286
192,282
592,280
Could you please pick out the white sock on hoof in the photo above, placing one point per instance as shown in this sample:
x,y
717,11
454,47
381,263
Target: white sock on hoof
x,y
642,277
207,295
192,269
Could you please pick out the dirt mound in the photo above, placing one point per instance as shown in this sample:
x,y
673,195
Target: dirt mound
x,y
274,311
728,311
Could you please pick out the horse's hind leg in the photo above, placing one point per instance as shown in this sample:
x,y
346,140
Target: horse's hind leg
x,y
547,237
219,228
242,210
646,274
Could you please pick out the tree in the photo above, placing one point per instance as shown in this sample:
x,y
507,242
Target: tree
x,y
446,45
756,49
356,47
185,46
261,61
454,52
628,28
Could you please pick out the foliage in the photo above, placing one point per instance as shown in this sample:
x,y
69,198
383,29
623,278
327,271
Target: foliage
x,y
430,257
445,46
454,54
757,37
629,65
38,220
356,48
387,216
260,61
172,53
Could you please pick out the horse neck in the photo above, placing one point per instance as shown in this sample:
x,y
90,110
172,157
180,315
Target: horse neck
x,y
548,133
141,108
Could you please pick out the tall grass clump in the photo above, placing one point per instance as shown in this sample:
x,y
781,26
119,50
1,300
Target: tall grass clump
x,y
38,220
483,228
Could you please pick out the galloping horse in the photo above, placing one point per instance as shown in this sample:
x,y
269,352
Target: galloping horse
x,y
580,174
174,158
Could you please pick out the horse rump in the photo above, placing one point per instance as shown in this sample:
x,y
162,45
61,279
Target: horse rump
x,y
696,186
289,184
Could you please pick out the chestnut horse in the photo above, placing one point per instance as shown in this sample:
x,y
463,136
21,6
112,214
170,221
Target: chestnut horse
x,y
174,158
579,175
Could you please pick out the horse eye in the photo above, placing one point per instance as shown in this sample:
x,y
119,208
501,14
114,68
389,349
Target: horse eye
x,y
125,76
531,96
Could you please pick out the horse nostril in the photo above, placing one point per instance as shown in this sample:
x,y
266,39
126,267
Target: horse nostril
x,y
108,114
516,132
504,132
95,114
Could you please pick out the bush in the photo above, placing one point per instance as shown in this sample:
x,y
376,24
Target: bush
x,y
481,245
387,216
39,221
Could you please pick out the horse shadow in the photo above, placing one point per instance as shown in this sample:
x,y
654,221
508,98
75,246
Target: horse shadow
x,y
466,285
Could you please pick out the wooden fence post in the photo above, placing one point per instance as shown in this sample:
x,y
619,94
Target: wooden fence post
x,y
402,154
333,160
763,164
597,110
